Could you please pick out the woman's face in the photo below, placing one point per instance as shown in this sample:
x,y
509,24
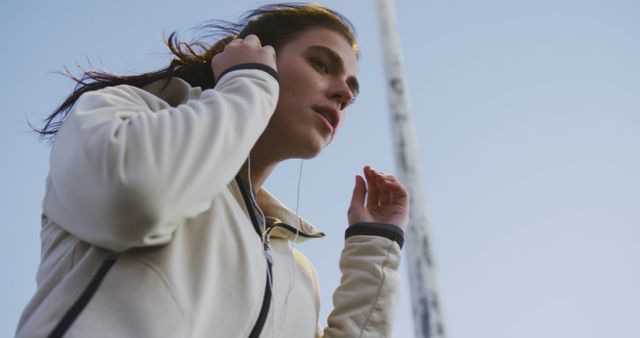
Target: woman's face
x,y
317,82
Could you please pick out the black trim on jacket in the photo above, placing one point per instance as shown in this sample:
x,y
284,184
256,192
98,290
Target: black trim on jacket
x,y
260,66
82,301
258,226
386,230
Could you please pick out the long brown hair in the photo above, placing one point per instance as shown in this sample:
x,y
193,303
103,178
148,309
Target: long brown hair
x,y
274,24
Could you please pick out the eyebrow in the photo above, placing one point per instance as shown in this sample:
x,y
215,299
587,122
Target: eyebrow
x,y
352,82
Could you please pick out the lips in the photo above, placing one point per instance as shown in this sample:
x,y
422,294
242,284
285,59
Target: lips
x,y
330,114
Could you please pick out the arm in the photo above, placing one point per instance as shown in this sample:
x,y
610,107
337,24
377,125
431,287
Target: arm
x,y
127,168
365,301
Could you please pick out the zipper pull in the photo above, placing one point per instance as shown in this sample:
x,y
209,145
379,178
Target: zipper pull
x,y
267,248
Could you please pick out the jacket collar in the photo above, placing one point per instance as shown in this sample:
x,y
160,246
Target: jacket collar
x,y
282,222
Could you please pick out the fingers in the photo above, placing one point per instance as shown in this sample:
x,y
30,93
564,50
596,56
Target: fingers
x,y
399,194
235,42
252,39
382,199
243,50
368,198
384,189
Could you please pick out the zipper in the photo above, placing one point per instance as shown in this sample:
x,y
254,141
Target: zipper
x,y
78,306
266,301
264,238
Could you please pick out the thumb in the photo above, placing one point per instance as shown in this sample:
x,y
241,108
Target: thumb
x,y
359,193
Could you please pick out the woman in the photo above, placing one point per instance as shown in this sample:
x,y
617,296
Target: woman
x,y
154,220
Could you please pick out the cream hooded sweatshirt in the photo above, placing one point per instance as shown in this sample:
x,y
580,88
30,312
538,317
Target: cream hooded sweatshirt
x,y
146,232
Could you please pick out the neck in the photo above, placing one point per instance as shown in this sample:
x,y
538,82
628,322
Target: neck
x,y
260,170
265,156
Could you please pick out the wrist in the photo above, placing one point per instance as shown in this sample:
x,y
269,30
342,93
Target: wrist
x,y
386,230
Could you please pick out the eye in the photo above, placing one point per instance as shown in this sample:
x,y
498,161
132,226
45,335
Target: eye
x,y
320,65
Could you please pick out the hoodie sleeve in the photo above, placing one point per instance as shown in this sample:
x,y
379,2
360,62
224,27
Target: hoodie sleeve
x,y
126,167
365,302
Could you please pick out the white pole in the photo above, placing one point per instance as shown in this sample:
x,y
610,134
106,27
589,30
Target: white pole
x,y
427,312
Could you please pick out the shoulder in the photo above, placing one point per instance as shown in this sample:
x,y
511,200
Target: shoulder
x,y
305,264
158,94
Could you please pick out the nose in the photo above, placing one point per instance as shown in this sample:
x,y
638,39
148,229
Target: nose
x,y
340,93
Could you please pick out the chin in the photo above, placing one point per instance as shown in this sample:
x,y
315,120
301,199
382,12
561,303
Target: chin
x,y
306,144
310,154
312,150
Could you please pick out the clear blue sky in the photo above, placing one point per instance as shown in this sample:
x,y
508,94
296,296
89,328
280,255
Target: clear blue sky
x,y
528,118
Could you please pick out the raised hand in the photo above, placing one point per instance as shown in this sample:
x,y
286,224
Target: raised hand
x,y
381,199
239,51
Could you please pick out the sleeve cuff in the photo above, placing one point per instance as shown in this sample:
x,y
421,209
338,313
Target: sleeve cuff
x,y
259,66
385,230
